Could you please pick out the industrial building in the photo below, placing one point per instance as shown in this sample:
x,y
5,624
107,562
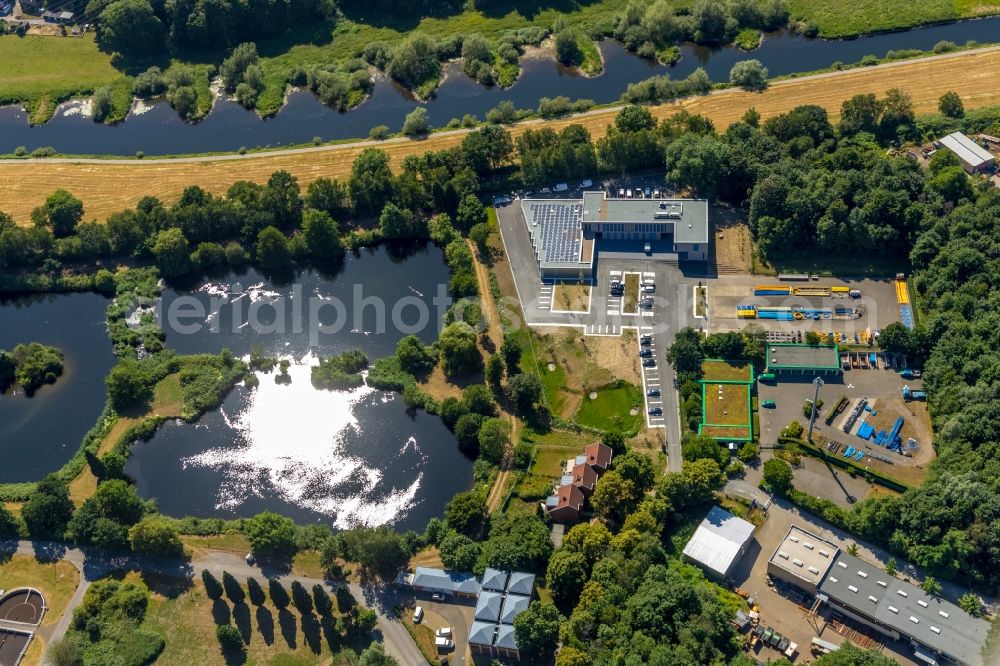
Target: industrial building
x,y
938,631
563,232
504,596
974,158
719,543
801,359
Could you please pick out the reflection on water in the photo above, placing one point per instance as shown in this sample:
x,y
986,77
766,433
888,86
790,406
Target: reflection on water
x,y
293,442
335,457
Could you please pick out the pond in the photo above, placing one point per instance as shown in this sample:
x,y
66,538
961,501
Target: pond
x,y
38,434
337,457
159,131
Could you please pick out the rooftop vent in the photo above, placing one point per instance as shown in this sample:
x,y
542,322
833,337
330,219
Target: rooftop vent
x,y
814,570
824,553
852,588
893,609
833,580
922,603
901,593
782,554
806,544
914,619
942,614
935,629
842,565
883,583
863,574
872,599
797,562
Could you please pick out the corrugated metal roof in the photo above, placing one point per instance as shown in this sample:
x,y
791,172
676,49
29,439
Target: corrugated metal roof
x,y
513,605
936,623
966,149
717,542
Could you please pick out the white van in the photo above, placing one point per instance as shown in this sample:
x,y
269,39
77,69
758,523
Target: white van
x,y
418,614
442,643
561,187
586,183
444,632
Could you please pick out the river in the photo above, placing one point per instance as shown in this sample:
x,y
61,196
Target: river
x,y
39,434
159,131
337,457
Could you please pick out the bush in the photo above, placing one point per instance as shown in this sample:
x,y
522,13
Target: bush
x,y
379,133
416,122
230,639
749,75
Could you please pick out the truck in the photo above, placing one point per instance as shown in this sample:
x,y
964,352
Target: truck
x,y
913,394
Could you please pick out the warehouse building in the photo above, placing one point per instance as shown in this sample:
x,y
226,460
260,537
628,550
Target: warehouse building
x,y
563,232
719,543
938,631
802,359
974,158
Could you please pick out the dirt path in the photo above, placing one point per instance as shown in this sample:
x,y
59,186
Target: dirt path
x,y
972,74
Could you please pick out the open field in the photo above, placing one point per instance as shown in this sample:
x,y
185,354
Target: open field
x,y
844,19
56,581
571,297
27,183
41,71
726,404
613,409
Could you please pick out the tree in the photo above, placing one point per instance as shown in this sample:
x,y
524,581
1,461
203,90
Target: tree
x,y
301,598
459,552
749,75
480,235
488,148
459,352
467,433
396,222
371,180
465,513
129,27
849,655
971,604
566,576
273,252
414,357
697,447
380,550
255,592
567,49
950,104
278,594
68,651
9,526
155,535
570,656
477,398
524,390
329,196
778,476
685,352
232,587
494,439
494,370
322,235
634,118
61,212
470,212
48,509
952,184
712,22
213,588
416,122
537,629
172,252
860,114
270,534
931,586
374,655
890,566
230,639
321,600
128,385
614,496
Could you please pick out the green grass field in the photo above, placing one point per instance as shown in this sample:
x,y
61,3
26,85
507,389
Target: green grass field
x,y
40,72
845,19
610,409
726,371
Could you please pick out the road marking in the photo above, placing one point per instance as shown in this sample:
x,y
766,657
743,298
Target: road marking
x,y
649,274
647,314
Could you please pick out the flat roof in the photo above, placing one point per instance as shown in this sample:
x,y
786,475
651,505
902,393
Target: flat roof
x,y
938,624
787,356
966,149
717,542
689,216
804,555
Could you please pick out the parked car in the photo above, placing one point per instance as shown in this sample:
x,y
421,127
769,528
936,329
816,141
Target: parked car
x,y
653,393
621,192
442,643
586,183
250,559
648,289
545,190
646,303
907,373
645,353
617,284
648,248
418,614
502,200
645,339
443,632
769,404
656,411
656,194
649,362
437,596
560,187
647,192
628,194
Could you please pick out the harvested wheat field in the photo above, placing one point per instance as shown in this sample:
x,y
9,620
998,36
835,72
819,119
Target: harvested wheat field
x,y
110,185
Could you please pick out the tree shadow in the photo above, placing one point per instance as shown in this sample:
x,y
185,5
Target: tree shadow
x,y
220,612
288,628
234,657
47,551
331,632
311,633
241,618
265,625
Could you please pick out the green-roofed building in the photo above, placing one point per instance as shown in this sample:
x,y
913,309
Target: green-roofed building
x,y
800,359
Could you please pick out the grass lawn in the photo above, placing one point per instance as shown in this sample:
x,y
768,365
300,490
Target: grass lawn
x,y
187,618
42,71
726,371
843,19
630,302
610,409
56,581
726,411
571,297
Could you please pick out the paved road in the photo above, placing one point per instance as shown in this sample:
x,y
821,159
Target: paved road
x,y
94,565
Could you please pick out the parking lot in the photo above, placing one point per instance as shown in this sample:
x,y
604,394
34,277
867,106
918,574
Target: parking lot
x,y
454,613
